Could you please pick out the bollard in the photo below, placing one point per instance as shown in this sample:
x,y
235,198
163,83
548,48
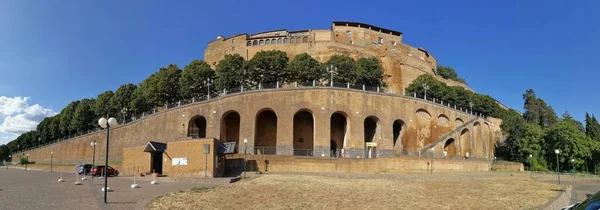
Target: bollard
x,y
61,177
77,179
153,182
134,185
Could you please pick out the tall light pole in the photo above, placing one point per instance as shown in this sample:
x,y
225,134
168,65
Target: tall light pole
x,y
208,82
93,144
471,107
106,124
51,157
573,164
245,156
530,166
425,88
557,165
332,70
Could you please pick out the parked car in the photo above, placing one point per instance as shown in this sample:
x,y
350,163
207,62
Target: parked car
x,y
83,168
592,202
98,170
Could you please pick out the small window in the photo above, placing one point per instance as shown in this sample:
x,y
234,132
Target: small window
x,y
261,42
305,39
232,48
279,41
394,43
380,40
349,34
254,43
268,41
248,43
285,40
232,41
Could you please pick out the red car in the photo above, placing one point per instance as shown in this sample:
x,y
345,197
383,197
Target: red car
x,y
98,171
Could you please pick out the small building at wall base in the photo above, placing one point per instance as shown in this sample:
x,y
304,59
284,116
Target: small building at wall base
x,y
185,157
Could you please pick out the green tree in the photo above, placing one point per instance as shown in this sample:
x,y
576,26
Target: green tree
x,y
537,111
55,127
84,117
102,106
304,68
369,72
193,79
121,99
139,103
568,118
43,128
346,68
448,72
66,115
572,144
4,152
231,72
592,128
268,67
163,86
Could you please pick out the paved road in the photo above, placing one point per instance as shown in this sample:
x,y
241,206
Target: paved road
x,y
31,189
581,186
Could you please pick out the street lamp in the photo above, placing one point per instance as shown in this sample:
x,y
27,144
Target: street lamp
x,y
245,156
106,124
9,157
332,70
51,154
557,165
573,163
208,82
425,88
93,144
530,165
471,106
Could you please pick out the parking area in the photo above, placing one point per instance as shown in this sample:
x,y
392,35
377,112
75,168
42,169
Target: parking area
x,y
31,189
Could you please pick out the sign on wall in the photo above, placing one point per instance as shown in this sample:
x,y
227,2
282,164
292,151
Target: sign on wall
x,y
179,161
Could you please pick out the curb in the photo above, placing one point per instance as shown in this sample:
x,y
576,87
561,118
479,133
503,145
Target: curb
x,y
561,200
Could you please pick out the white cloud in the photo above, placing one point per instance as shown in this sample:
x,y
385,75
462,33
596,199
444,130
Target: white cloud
x,y
18,117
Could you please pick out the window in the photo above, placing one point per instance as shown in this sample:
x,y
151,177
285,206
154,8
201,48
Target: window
x,y
261,42
380,40
254,43
279,41
268,41
232,41
285,40
232,48
394,43
305,39
349,34
248,43
273,41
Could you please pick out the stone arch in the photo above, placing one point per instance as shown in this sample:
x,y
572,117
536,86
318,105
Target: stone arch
x,y
255,42
267,41
261,42
423,126
197,127
248,43
339,127
450,147
443,120
477,140
465,143
265,135
487,139
230,127
305,39
458,122
398,128
372,133
279,40
285,40
304,127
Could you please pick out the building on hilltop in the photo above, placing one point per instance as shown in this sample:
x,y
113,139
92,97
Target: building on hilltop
x,y
402,63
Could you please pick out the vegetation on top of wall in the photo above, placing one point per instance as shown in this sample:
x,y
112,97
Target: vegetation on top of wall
x,y
538,132
447,72
170,84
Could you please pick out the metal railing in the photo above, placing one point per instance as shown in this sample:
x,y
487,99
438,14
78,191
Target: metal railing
x,y
132,118
265,150
304,152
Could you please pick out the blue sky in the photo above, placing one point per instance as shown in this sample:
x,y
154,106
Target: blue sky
x,y
54,52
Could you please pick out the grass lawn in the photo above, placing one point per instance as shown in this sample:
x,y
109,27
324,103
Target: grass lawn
x,y
438,191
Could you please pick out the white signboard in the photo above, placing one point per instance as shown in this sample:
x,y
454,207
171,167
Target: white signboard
x,y
179,161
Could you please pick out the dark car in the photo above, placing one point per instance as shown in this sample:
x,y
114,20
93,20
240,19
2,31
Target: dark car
x,y
98,171
591,203
83,168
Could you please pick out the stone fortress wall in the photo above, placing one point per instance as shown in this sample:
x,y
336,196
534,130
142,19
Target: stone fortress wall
x,y
402,63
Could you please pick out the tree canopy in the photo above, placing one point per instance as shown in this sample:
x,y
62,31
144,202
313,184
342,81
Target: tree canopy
x,y
448,72
194,77
304,68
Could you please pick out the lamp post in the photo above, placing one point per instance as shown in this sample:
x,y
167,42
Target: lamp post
x,y
557,165
208,82
106,124
51,157
332,70
573,164
425,88
93,144
471,107
530,166
245,156
9,157
432,150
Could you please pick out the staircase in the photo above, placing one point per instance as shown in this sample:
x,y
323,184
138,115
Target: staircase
x,y
448,135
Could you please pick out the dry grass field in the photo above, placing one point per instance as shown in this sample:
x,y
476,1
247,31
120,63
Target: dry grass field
x,y
415,191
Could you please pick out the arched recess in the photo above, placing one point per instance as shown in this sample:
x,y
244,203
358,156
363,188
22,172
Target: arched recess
x,y
443,120
338,129
197,127
398,128
465,143
423,126
458,122
371,129
450,147
265,135
230,128
486,139
303,133
477,140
